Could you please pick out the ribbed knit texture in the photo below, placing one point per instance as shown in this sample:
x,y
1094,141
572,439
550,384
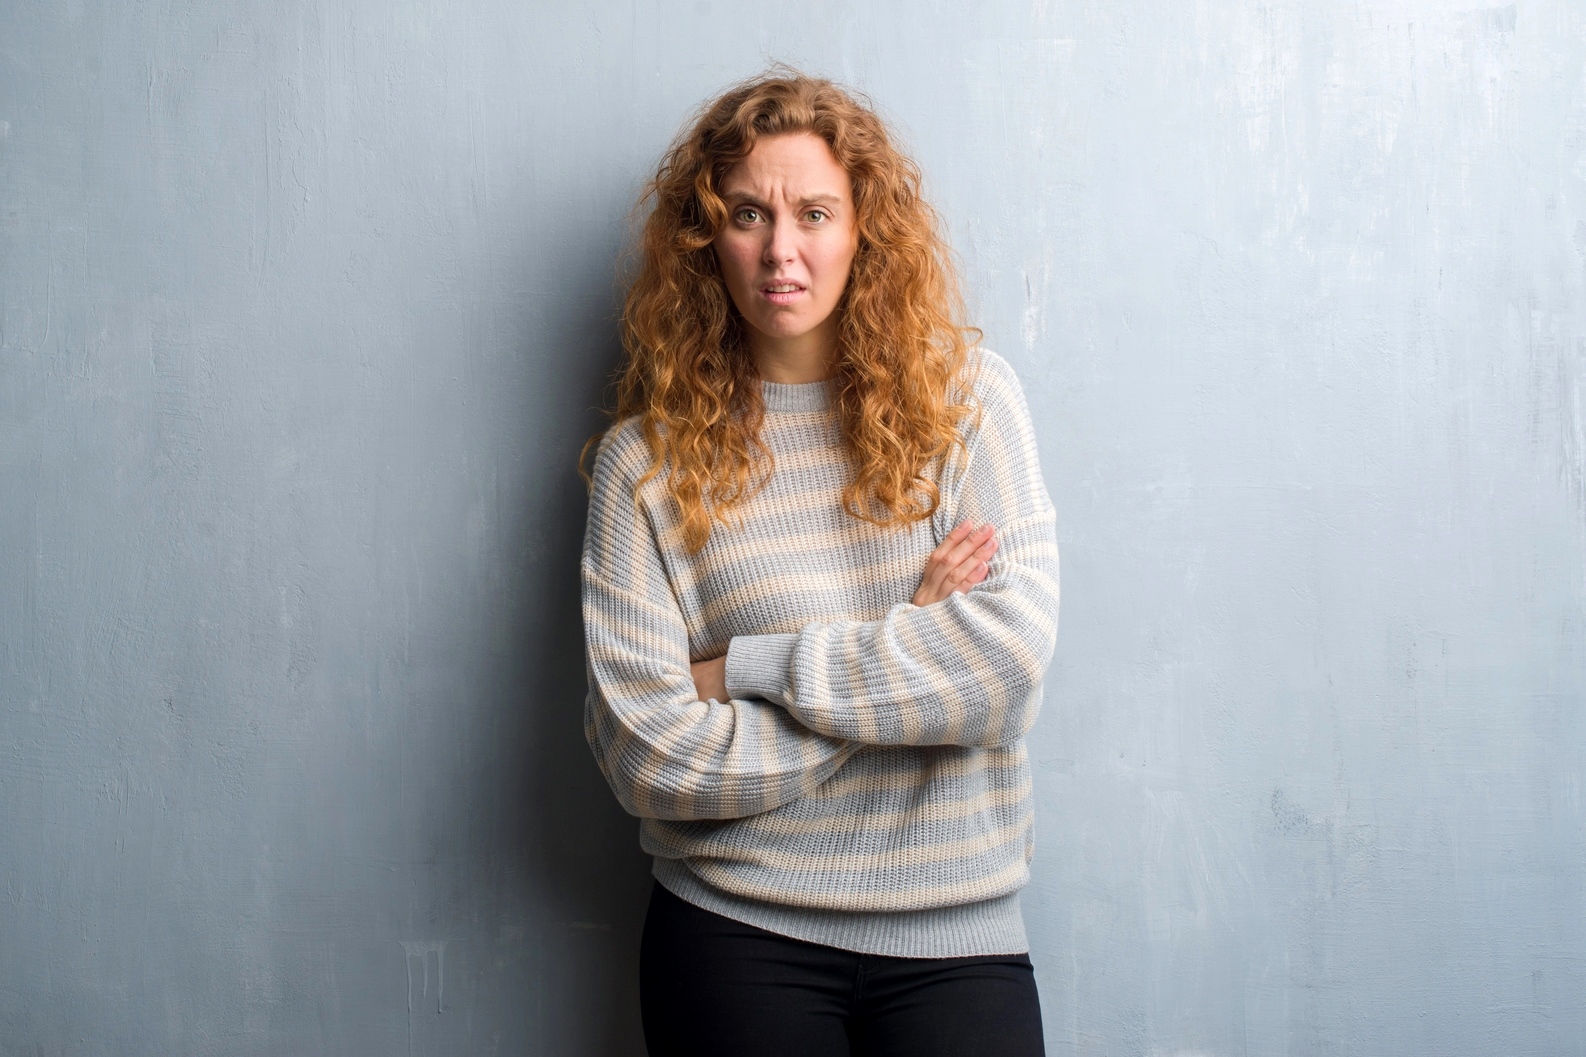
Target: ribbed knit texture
x,y
866,786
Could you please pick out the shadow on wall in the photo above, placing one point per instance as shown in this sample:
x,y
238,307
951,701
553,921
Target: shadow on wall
x,y
562,851
586,872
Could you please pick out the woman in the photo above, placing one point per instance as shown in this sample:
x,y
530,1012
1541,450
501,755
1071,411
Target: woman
x,y
820,592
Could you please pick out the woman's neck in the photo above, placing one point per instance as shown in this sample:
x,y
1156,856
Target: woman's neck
x,y
809,357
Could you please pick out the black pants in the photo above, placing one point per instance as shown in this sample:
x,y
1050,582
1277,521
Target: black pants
x,y
713,987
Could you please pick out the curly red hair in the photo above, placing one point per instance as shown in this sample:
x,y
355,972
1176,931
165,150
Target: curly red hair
x,y
688,374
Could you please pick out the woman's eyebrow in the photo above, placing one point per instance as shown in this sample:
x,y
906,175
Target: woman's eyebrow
x,y
753,199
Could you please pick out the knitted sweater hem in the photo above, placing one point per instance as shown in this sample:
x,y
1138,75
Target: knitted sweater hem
x,y
993,926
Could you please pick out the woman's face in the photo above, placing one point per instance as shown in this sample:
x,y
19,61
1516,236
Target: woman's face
x,y
789,242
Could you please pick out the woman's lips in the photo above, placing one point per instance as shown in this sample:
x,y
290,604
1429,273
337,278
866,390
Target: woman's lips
x,y
782,293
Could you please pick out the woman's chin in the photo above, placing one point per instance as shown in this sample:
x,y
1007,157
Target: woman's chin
x,y
786,325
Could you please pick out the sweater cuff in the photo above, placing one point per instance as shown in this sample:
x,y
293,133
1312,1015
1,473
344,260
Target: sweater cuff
x,y
760,666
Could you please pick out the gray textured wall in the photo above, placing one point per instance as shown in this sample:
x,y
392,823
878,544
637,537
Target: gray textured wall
x,y
303,310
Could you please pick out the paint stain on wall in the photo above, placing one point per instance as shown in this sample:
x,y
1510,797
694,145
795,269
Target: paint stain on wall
x,y
421,950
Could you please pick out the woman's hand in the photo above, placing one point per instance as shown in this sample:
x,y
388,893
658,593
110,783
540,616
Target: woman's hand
x,y
710,678
959,562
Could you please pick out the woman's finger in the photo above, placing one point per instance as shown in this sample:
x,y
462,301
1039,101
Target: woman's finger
x,y
960,533
965,547
982,570
963,577
975,568
940,561
967,583
957,565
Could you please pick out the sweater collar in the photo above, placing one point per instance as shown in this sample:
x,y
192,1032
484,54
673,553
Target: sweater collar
x,y
798,396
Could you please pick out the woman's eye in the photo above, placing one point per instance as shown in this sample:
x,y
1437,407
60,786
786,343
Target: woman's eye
x,y
815,215
748,216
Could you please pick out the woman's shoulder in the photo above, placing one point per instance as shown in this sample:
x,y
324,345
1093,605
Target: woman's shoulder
x,y
622,455
989,384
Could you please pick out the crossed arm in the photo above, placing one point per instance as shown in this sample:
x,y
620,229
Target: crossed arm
x,y
677,747
958,563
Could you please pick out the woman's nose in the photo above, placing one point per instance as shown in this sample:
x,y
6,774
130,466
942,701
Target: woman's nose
x,y
779,244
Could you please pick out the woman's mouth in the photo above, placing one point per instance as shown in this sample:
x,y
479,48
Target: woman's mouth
x,y
781,293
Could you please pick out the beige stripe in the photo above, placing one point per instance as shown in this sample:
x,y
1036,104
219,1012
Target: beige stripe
x,y
777,824
833,527
855,536
961,766
750,594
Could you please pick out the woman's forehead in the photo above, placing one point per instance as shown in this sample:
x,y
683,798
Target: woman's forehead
x,y
793,165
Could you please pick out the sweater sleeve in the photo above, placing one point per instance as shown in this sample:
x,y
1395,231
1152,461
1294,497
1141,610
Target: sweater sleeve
x,y
963,671
665,753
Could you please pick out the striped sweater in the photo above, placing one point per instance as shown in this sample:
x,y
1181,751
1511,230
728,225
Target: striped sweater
x,y
866,787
